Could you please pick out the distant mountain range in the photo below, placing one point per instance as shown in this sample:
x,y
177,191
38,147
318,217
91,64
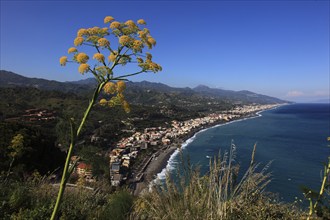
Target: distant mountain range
x,y
10,79
140,90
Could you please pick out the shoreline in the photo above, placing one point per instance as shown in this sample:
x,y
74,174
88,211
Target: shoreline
x,y
158,167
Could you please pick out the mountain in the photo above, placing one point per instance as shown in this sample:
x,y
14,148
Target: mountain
x,y
143,92
89,81
243,95
10,79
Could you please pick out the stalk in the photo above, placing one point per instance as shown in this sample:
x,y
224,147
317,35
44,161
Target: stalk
x,y
312,208
74,135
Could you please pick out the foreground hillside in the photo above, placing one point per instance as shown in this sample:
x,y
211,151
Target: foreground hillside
x,y
218,195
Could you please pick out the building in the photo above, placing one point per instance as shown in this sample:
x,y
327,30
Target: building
x,y
84,170
116,179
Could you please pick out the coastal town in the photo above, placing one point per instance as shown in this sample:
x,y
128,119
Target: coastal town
x,y
160,140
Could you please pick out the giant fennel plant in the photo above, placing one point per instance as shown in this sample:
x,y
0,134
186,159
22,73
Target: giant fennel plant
x,y
118,44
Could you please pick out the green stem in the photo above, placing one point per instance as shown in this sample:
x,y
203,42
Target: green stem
x,y
325,177
95,75
125,76
66,174
10,166
91,103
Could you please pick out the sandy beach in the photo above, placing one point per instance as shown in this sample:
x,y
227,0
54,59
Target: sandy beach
x,y
159,163
155,167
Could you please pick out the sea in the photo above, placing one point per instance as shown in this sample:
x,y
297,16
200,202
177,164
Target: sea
x,y
292,137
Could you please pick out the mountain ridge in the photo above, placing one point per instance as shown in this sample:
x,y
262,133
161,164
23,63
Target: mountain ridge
x,y
10,79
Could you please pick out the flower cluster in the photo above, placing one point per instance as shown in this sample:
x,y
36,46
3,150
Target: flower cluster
x,y
148,64
131,36
99,57
103,42
63,60
72,50
83,68
81,58
115,89
108,19
113,55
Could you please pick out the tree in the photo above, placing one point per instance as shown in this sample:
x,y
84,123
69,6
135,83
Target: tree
x,y
131,40
15,150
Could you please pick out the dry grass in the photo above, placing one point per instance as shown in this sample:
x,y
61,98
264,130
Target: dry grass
x,y
217,195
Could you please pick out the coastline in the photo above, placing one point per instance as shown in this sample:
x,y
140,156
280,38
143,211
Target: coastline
x,y
158,167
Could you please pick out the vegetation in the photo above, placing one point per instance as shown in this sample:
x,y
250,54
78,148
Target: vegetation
x,y
26,148
319,202
34,199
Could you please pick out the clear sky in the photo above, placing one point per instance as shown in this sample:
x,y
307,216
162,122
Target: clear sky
x,y
277,48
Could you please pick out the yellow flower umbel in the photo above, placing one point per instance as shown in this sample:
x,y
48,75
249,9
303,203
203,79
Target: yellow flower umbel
x,y
130,24
78,41
72,50
94,30
110,88
103,102
99,57
82,32
112,57
103,70
82,58
149,56
108,19
83,68
63,60
121,86
137,45
141,21
151,40
103,42
114,25
124,40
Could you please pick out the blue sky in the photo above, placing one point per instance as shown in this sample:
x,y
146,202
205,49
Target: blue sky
x,y
277,48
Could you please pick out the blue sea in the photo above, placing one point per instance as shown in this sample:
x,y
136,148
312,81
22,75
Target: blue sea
x,y
293,137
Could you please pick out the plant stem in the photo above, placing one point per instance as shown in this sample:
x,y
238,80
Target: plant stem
x,y
325,177
312,208
66,174
125,76
10,166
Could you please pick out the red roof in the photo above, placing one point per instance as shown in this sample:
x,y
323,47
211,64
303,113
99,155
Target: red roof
x,y
84,166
